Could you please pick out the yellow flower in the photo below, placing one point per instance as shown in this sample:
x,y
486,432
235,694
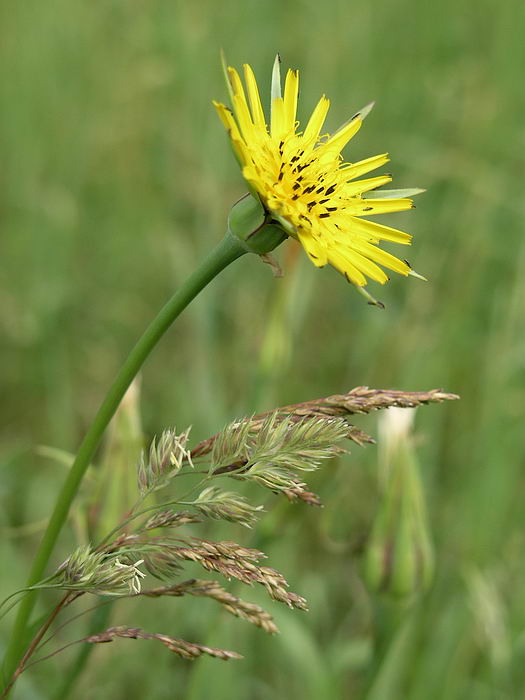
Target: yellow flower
x,y
304,183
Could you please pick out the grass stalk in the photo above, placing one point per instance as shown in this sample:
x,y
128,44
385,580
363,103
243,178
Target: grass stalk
x,y
228,250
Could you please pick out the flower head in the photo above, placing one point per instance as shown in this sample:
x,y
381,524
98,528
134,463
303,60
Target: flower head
x,y
304,183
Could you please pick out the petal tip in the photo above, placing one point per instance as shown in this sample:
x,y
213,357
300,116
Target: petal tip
x,y
276,78
413,273
365,111
371,301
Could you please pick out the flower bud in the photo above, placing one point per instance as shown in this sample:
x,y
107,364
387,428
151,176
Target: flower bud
x,y
399,558
114,488
249,221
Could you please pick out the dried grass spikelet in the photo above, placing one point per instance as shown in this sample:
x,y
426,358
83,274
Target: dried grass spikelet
x,y
250,612
358,400
217,504
363,400
298,492
229,559
274,452
165,458
170,518
184,649
104,573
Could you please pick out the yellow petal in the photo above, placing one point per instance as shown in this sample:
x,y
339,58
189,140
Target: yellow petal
x,y
315,251
254,97
370,207
244,118
382,257
278,123
351,189
366,266
241,151
345,267
353,170
235,82
291,93
315,124
376,232
339,140
227,119
240,105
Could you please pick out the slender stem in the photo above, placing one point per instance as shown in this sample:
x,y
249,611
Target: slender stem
x,y
228,250
98,623
31,648
128,520
157,506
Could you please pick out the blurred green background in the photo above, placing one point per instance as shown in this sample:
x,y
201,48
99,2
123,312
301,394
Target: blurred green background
x,y
117,177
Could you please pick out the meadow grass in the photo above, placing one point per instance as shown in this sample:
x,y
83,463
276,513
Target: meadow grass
x,y
117,177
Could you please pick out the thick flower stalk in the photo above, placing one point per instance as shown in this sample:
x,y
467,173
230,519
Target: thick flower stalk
x,y
306,186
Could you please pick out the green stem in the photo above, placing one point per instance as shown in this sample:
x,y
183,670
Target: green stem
x,y
157,506
98,623
228,250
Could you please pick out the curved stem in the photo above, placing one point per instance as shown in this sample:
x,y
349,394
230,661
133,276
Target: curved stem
x,y
31,648
156,506
98,623
228,250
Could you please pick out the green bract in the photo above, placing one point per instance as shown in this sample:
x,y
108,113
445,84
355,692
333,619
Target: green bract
x,y
248,221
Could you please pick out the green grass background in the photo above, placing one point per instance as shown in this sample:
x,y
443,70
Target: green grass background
x,y
116,178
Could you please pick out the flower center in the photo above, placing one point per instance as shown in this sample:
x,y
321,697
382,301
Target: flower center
x,y
296,183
